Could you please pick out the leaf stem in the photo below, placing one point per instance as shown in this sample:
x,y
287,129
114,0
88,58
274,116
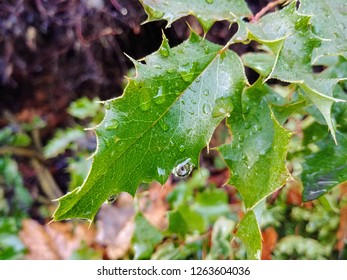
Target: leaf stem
x,y
267,8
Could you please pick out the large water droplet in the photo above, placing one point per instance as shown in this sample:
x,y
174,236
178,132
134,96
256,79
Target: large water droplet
x,y
111,125
163,125
160,97
183,169
223,107
187,71
206,92
206,108
112,198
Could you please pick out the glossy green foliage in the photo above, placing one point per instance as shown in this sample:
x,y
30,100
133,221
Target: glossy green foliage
x,y
165,117
170,109
258,150
206,11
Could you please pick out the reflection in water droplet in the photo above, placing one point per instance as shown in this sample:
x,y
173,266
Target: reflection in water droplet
x,y
163,125
112,124
160,97
183,169
112,198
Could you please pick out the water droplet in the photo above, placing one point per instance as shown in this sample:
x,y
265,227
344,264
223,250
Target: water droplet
x,y
164,51
183,169
116,139
163,125
170,70
157,66
247,125
124,11
206,49
112,198
111,125
206,108
161,172
182,148
107,105
210,1
222,108
160,97
241,138
172,144
206,92
187,71
193,101
155,14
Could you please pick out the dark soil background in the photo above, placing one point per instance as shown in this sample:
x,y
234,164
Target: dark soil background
x,y
55,51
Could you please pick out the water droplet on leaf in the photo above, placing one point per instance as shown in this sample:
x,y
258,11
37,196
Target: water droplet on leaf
x,y
210,1
182,148
112,198
160,97
206,92
183,169
206,108
112,124
163,125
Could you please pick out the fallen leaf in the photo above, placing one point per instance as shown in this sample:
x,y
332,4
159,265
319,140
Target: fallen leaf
x,y
54,241
154,205
115,226
342,231
269,242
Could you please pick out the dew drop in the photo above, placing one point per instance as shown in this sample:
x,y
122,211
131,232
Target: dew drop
x,y
170,70
145,100
206,108
111,125
160,97
193,101
222,108
206,92
155,14
247,125
182,148
164,51
172,144
163,125
183,169
209,1
157,66
107,105
241,138
161,172
187,71
112,198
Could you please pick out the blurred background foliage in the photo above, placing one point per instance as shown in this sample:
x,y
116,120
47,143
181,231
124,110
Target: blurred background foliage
x,y
57,62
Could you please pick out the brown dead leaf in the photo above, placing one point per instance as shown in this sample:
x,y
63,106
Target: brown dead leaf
x,y
154,206
54,241
115,226
342,231
269,242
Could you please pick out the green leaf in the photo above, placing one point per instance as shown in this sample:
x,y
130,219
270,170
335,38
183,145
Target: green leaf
x,y
249,233
329,23
206,11
84,108
145,238
325,169
167,114
257,154
287,34
262,63
221,235
62,140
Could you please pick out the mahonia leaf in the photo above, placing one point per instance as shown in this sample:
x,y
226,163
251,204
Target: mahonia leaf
x,y
257,154
329,23
206,11
249,232
325,169
287,34
165,117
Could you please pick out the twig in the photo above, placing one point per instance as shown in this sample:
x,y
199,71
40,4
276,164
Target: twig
x,y
267,8
18,151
